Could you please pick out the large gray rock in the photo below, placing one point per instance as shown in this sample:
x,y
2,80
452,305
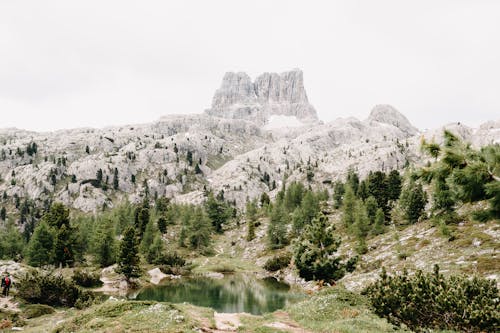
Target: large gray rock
x,y
270,94
387,114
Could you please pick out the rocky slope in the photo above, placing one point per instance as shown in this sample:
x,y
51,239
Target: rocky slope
x,y
226,148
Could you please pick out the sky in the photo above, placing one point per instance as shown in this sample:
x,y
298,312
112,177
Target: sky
x,y
66,64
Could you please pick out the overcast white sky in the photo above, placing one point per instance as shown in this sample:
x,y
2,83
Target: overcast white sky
x,y
97,63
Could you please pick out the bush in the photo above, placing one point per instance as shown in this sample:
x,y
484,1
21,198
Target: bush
x,y
37,310
433,301
50,289
173,259
86,279
278,262
172,263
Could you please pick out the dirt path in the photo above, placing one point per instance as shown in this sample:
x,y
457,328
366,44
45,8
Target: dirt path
x,y
227,322
8,304
286,323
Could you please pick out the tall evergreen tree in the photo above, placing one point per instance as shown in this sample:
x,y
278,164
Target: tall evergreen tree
x,y
147,238
199,230
251,218
348,207
353,180
394,184
277,231
40,250
218,212
413,201
377,187
371,208
314,252
104,244
11,242
338,193
63,246
378,227
128,255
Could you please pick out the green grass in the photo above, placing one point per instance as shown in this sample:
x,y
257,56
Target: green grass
x,y
122,316
223,264
338,310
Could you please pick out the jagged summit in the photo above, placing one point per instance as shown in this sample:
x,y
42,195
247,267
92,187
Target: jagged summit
x,y
270,94
387,114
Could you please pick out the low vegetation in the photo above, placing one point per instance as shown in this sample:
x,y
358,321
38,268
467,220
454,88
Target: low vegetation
x,y
432,301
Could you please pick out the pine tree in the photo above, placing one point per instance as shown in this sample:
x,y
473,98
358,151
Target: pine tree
x,y
11,242
371,208
353,180
378,227
128,255
251,218
443,197
277,231
115,179
314,252
413,201
189,158
63,246
361,227
377,187
348,207
58,218
162,224
3,213
147,238
338,193
104,244
394,184
40,250
141,219
157,251
199,230
218,211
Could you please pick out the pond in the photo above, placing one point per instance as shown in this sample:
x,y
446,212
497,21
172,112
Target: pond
x,y
233,293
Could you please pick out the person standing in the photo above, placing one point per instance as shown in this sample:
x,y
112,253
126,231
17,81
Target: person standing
x,y
6,283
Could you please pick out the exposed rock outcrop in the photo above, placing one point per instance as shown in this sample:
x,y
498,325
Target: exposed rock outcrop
x,y
271,94
387,114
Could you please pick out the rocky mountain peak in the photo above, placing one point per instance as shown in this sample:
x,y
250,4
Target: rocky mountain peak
x,y
387,114
270,94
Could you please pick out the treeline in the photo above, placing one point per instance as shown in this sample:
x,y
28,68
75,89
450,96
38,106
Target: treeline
x,y
127,235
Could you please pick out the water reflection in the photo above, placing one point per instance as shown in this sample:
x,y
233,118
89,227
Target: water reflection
x,y
233,293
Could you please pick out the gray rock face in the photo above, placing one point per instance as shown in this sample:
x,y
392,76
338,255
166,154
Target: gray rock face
x,y
270,94
387,114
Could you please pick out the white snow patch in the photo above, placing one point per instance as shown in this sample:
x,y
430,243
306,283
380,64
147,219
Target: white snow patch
x,y
281,121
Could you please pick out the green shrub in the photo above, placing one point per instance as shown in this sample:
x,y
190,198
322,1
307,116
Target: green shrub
x,y
86,278
37,310
278,262
173,263
173,259
50,289
432,301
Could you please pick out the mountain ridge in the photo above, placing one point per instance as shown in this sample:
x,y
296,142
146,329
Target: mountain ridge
x,y
181,156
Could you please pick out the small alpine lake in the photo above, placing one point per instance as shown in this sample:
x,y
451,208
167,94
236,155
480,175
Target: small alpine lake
x,y
232,294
